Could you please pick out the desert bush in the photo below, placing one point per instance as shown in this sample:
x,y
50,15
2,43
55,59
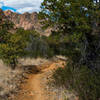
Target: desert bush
x,y
39,47
82,80
12,49
77,37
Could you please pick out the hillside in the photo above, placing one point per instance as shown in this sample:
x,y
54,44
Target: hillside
x,y
60,61
27,21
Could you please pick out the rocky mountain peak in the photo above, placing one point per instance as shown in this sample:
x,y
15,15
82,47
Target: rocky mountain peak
x,y
22,20
27,21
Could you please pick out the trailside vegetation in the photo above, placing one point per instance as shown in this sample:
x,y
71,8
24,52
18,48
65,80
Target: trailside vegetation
x,y
12,46
22,43
76,35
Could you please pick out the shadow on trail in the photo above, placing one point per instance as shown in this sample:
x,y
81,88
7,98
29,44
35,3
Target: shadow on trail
x,y
31,69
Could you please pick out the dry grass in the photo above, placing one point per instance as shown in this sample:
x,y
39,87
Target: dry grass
x,y
8,80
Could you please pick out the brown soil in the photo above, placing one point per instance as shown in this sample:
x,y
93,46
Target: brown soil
x,y
32,88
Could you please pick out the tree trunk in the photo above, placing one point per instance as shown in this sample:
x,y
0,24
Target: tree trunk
x,y
13,64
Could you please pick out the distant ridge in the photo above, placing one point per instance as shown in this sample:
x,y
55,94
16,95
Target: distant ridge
x,y
27,21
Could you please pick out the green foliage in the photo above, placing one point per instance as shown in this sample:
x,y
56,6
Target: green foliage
x,y
12,49
63,14
39,47
82,80
23,43
74,28
76,36
12,46
5,25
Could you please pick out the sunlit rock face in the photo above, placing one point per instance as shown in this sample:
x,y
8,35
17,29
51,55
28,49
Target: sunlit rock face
x,y
28,21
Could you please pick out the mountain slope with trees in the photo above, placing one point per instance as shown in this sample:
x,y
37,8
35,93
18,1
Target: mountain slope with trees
x,y
76,36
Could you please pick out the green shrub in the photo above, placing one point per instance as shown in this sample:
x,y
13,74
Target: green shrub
x,y
81,79
13,49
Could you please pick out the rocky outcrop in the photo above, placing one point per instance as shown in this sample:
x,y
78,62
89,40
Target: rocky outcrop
x,y
28,21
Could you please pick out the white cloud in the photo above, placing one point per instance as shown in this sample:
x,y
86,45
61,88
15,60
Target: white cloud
x,y
23,5
26,9
1,5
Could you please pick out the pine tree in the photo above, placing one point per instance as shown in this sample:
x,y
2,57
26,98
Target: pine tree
x,y
13,49
12,45
76,23
77,36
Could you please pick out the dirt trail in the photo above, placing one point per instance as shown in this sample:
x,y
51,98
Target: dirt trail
x,y
32,88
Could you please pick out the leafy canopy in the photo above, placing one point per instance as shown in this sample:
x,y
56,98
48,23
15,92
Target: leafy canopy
x,y
76,22
76,35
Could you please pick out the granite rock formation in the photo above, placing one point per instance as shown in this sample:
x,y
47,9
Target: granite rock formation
x,y
27,21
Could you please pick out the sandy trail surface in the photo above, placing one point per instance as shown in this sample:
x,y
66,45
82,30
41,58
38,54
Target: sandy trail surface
x,y
32,89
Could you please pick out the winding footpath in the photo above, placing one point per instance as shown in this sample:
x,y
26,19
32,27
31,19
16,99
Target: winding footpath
x,y
32,89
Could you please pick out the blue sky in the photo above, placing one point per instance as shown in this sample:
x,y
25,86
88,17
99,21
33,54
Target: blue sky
x,y
21,6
